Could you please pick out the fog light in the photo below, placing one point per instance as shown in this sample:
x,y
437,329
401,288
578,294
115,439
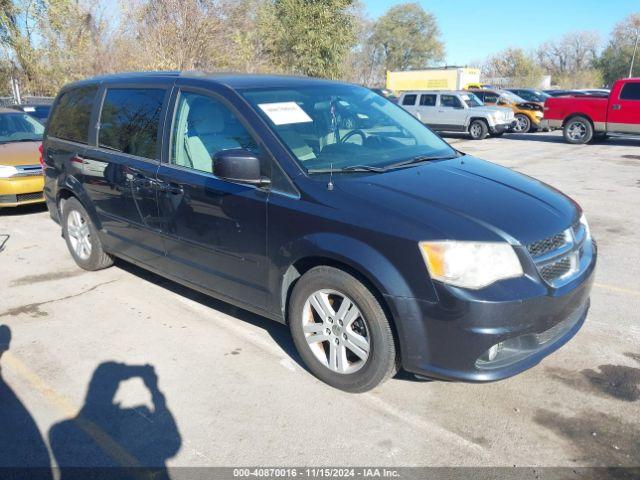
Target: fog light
x,y
491,354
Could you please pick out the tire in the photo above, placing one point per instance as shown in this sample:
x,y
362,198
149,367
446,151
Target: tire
x,y
363,324
82,237
523,123
478,129
578,130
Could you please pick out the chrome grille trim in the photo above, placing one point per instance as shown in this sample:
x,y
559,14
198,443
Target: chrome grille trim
x,y
28,170
560,257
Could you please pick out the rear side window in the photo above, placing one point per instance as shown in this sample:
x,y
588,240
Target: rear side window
x,y
428,100
409,100
130,119
71,117
631,91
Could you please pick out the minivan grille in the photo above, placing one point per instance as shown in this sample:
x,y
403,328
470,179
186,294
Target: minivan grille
x,y
558,257
546,245
556,269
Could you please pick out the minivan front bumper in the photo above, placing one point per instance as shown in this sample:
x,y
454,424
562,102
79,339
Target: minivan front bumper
x,y
451,339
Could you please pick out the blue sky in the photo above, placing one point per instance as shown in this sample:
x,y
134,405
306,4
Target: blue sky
x,y
473,30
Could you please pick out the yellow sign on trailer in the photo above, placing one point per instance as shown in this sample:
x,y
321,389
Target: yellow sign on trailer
x,y
454,78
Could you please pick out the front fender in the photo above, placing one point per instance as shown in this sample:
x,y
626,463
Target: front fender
x,y
363,258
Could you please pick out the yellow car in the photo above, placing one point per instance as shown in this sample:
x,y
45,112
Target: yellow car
x,y
21,180
528,114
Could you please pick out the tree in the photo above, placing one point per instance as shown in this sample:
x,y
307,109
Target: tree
x,y
615,60
515,64
571,60
309,37
406,37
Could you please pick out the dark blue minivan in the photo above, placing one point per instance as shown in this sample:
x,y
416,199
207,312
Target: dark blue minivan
x,y
380,245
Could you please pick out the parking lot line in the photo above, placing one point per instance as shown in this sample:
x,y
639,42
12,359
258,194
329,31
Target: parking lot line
x,y
104,441
613,288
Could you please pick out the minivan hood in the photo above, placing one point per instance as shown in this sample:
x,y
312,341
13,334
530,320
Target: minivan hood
x,y
508,204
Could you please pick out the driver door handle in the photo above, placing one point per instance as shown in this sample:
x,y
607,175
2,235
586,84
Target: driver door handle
x,y
616,106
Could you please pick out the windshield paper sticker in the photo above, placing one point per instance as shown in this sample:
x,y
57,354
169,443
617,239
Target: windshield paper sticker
x,y
285,113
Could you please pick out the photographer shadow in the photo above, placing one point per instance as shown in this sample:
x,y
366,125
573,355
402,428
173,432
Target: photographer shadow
x,y
107,441
23,453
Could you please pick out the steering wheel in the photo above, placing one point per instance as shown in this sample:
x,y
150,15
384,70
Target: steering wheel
x,y
352,133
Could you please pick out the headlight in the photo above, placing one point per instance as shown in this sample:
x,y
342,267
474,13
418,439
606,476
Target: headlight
x,y
7,171
539,114
470,264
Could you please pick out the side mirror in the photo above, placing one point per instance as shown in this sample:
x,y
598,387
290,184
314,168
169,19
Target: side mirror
x,y
238,165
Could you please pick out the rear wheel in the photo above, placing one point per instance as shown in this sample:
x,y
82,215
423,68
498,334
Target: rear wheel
x,y
578,130
523,123
82,237
478,129
341,331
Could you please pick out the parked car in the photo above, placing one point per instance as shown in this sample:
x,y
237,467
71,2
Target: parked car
x,y
381,248
457,111
565,93
38,111
530,95
596,91
585,118
527,114
386,93
21,179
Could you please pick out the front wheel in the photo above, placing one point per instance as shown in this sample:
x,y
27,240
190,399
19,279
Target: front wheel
x,y
341,331
82,237
523,123
578,130
478,129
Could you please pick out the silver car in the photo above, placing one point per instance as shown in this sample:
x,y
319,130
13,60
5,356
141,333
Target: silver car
x,y
457,111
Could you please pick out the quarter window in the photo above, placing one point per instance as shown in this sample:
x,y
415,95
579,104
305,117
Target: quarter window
x,y
72,114
130,120
203,127
630,91
409,99
428,100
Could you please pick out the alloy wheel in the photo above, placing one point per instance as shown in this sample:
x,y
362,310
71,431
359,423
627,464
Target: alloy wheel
x,y
476,130
79,234
336,331
577,131
522,124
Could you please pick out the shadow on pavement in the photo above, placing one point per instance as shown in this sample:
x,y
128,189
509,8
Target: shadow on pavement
x,y
23,210
23,453
106,441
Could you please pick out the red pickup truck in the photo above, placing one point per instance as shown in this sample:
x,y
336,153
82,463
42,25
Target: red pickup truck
x,y
586,118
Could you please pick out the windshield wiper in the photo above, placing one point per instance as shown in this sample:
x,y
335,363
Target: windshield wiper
x,y
350,168
420,159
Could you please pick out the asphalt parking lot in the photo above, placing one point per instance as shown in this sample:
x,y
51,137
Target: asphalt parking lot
x,y
234,393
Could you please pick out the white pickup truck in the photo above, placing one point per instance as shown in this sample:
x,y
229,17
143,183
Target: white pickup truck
x,y
457,111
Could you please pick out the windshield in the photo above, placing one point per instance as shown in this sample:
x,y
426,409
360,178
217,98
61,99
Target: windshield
x,y
534,95
471,100
512,97
342,126
17,127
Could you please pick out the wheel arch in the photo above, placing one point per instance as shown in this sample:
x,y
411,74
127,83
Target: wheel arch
x,y
571,116
71,187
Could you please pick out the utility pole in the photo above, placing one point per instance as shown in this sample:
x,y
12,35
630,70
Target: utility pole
x,y
635,49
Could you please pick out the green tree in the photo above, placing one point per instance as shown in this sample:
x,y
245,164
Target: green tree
x,y
309,37
615,60
406,37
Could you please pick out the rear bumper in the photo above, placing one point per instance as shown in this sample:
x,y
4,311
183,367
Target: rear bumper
x,y
21,191
448,339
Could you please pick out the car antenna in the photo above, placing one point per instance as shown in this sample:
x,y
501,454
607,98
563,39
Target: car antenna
x,y
330,184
